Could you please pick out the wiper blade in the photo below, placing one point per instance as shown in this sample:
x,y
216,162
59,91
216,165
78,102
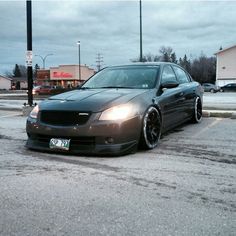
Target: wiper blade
x,y
128,87
83,88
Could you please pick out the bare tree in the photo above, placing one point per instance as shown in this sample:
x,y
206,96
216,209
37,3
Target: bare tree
x,y
166,53
203,69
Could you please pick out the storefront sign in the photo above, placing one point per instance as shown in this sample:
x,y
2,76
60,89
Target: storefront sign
x,y
61,74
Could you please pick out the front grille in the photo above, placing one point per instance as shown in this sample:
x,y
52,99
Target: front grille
x,y
74,141
64,118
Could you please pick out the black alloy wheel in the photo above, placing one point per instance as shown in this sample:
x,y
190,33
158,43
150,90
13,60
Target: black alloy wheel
x,y
151,130
197,117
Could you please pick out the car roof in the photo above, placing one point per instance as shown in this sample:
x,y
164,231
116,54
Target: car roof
x,y
144,64
230,83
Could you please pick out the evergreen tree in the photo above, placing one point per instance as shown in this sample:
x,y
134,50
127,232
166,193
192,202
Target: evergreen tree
x,y
180,61
36,67
16,71
173,58
185,63
23,70
166,57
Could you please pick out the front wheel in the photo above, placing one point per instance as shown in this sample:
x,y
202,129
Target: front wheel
x,y
151,129
197,116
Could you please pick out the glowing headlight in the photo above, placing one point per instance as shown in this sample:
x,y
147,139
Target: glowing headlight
x,y
34,112
118,113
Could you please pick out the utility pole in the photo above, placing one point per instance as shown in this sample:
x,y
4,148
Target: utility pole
x,y
140,24
99,61
29,52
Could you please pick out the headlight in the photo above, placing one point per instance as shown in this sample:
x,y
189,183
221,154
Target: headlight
x,y
119,112
34,112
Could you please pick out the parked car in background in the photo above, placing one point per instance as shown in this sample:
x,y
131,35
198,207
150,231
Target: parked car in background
x,y
208,87
228,88
49,90
116,110
42,89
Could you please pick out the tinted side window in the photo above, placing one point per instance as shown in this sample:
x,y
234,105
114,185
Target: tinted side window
x,y
168,74
181,75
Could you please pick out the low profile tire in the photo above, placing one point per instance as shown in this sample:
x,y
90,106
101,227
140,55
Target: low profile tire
x,y
151,129
197,116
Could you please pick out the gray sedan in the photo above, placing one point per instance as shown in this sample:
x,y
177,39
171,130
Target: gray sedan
x,y
208,87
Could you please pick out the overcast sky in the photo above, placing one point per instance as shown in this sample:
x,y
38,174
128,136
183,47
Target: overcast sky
x,y
112,29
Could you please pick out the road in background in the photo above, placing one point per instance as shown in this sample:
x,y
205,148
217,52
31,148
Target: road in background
x,y
219,101
211,101
185,186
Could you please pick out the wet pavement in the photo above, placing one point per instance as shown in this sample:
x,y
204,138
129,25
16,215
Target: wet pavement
x,y
185,186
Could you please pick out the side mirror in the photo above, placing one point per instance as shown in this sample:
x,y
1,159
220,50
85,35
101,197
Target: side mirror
x,y
169,84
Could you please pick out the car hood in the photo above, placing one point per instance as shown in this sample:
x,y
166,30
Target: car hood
x,y
94,100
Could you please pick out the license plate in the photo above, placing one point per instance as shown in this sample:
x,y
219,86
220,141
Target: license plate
x,y
56,143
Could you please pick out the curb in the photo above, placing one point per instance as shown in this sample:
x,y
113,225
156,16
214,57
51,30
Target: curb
x,y
25,110
219,114
10,109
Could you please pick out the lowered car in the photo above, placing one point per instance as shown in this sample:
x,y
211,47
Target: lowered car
x,y
116,111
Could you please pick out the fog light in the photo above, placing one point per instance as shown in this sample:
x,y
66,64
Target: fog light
x,y
109,140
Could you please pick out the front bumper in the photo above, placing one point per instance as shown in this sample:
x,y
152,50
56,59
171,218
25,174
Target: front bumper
x,y
94,138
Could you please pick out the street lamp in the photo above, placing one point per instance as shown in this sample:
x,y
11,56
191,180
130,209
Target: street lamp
x,y
78,43
44,58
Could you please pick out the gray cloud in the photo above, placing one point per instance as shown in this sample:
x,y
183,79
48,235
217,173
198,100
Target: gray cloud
x,y
112,28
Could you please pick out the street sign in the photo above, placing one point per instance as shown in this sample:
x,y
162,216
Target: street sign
x,y
29,58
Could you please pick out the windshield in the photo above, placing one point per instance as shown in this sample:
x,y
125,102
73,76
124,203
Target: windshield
x,y
142,77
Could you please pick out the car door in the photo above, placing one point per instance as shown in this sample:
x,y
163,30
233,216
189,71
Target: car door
x,y
233,88
170,100
188,91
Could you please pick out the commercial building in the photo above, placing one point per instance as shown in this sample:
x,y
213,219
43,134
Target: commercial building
x,y
5,82
226,66
19,83
68,75
42,77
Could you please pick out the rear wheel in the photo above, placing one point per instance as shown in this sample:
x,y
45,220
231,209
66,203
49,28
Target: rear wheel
x,y
212,90
197,116
151,129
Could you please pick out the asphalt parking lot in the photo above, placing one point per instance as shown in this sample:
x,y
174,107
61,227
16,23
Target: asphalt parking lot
x,y
186,186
